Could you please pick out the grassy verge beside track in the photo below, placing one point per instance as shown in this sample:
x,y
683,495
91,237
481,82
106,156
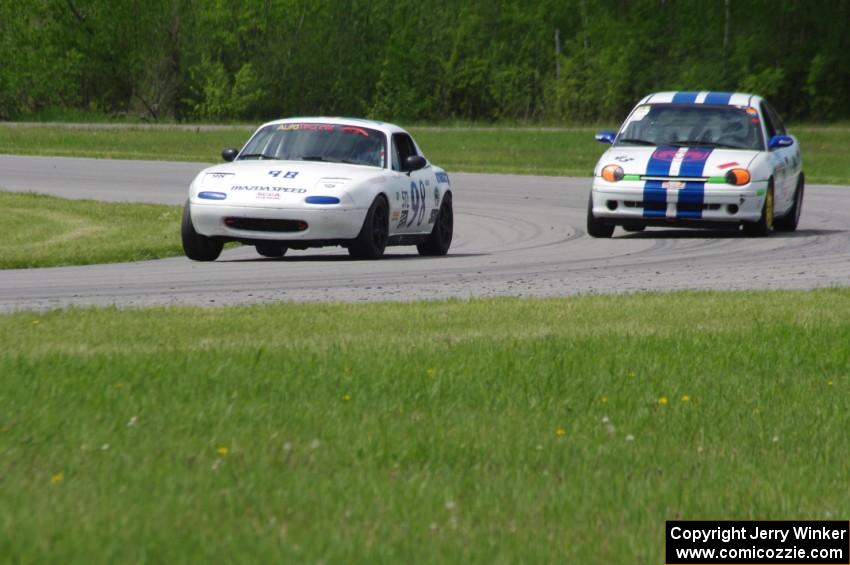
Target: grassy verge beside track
x,y
43,231
543,151
562,431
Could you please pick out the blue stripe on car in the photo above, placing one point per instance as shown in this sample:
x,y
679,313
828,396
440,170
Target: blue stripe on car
x,y
685,97
718,98
659,165
691,198
689,205
654,195
694,162
654,199
212,195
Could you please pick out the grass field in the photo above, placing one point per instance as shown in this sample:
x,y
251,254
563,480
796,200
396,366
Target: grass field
x,y
537,431
43,231
566,151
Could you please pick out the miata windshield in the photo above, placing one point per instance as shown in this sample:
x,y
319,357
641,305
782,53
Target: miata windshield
x,y
318,142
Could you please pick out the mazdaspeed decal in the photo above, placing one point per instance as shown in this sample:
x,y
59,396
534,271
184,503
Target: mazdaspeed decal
x,y
254,188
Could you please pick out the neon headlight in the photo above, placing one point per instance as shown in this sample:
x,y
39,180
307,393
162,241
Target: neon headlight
x,y
613,173
738,177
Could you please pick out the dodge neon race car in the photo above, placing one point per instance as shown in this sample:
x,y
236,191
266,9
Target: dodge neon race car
x,y
311,182
698,159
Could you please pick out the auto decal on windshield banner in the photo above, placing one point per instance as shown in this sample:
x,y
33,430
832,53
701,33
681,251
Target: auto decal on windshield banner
x,y
675,162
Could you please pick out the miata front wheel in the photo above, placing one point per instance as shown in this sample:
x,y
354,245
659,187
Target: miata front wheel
x,y
198,247
371,242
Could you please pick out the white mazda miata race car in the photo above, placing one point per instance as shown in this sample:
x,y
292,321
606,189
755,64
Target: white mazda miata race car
x,y
312,182
698,159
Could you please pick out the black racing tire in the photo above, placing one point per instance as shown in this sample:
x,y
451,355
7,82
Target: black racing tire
x,y
198,247
789,221
597,227
371,242
764,225
440,240
634,227
271,249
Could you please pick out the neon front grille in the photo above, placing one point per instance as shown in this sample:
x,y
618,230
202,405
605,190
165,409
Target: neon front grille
x,y
684,206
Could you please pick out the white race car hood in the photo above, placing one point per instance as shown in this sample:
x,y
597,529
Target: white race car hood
x,y
667,162
279,183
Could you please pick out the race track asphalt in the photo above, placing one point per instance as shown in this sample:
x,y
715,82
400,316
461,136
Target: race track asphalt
x,y
514,236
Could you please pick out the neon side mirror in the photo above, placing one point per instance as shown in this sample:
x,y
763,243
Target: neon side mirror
x,y
780,141
605,136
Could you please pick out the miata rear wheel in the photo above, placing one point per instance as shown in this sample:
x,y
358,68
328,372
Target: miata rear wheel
x,y
440,240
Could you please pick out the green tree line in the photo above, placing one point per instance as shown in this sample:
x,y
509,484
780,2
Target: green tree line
x,y
549,60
